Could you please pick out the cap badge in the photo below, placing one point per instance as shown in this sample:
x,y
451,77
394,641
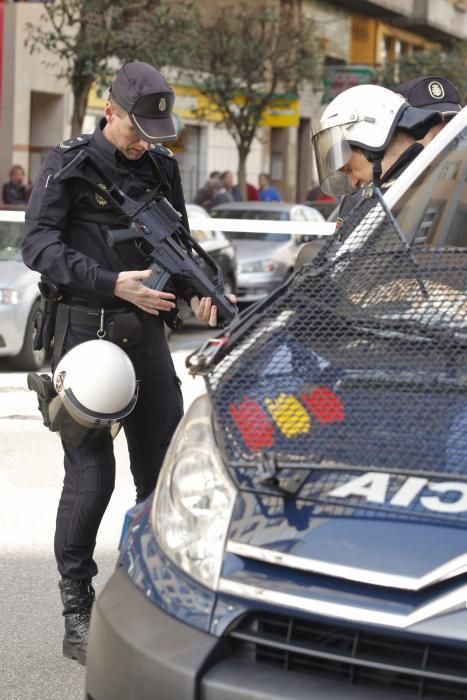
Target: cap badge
x,y
436,90
162,104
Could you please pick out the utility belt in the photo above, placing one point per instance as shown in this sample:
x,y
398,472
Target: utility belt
x,y
122,326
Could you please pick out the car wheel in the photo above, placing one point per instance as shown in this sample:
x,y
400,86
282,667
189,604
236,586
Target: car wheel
x,y
28,359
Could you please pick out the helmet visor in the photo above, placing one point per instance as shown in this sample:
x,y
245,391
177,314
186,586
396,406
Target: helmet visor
x,y
332,152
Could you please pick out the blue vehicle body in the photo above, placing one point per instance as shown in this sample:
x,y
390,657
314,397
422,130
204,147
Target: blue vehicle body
x,y
335,428
274,578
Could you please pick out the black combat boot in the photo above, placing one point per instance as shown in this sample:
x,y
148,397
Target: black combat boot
x,y
77,599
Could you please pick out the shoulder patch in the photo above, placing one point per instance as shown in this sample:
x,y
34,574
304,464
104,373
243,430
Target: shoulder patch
x,y
75,142
162,150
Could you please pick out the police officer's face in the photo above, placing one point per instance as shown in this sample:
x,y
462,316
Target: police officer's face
x,y
358,169
120,132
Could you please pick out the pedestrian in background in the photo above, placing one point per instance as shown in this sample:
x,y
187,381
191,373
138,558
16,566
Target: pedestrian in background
x,y
267,193
252,193
203,194
227,180
15,191
212,193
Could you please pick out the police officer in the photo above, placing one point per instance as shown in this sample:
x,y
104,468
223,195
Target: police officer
x,y
435,93
367,134
65,240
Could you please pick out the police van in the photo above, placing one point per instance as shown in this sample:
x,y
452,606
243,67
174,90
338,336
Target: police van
x,y
308,534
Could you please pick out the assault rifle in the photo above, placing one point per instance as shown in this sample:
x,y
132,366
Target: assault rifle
x,y
156,229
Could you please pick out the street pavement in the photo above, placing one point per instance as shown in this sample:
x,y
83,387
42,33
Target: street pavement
x,y
31,473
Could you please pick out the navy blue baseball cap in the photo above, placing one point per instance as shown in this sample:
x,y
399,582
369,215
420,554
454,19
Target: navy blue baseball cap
x,y
431,92
148,98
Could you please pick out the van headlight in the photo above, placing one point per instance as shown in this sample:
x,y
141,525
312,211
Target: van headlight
x,y
194,498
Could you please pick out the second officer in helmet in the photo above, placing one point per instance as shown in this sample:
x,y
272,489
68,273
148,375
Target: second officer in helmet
x,y
367,134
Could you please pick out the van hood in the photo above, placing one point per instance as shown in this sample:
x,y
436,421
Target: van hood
x,y
399,551
353,490
341,414
361,569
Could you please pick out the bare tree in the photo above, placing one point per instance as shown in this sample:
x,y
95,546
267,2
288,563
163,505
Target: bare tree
x,y
85,36
242,57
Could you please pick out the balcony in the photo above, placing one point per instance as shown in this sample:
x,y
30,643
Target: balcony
x,y
437,20
384,10
441,19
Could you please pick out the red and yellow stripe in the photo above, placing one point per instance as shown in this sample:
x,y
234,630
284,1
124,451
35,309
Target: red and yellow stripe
x,y
291,416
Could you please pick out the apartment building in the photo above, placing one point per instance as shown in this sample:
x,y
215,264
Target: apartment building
x,y
355,37
35,105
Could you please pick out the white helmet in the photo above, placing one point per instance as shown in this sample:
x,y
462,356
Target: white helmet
x,y
96,385
366,117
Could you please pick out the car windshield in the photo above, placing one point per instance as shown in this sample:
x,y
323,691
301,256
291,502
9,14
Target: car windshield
x,y
257,215
433,211
11,235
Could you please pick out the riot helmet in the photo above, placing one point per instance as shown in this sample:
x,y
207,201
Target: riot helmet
x,y
363,117
96,388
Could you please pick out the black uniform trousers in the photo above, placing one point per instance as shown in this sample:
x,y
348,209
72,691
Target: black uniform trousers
x,y
90,471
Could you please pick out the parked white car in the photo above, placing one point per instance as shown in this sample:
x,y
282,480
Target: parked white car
x,y
19,293
19,297
265,260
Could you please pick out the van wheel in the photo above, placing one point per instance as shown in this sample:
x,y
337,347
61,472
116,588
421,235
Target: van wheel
x,y
28,359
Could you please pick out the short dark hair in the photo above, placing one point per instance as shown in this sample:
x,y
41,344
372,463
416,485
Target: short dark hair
x,y
116,107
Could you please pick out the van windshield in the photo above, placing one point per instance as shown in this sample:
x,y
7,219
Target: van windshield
x,y
433,211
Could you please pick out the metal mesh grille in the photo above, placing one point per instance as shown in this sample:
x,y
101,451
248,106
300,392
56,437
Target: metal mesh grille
x,y
356,657
359,362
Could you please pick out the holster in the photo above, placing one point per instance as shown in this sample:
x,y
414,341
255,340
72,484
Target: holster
x,y
44,320
56,418
43,386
